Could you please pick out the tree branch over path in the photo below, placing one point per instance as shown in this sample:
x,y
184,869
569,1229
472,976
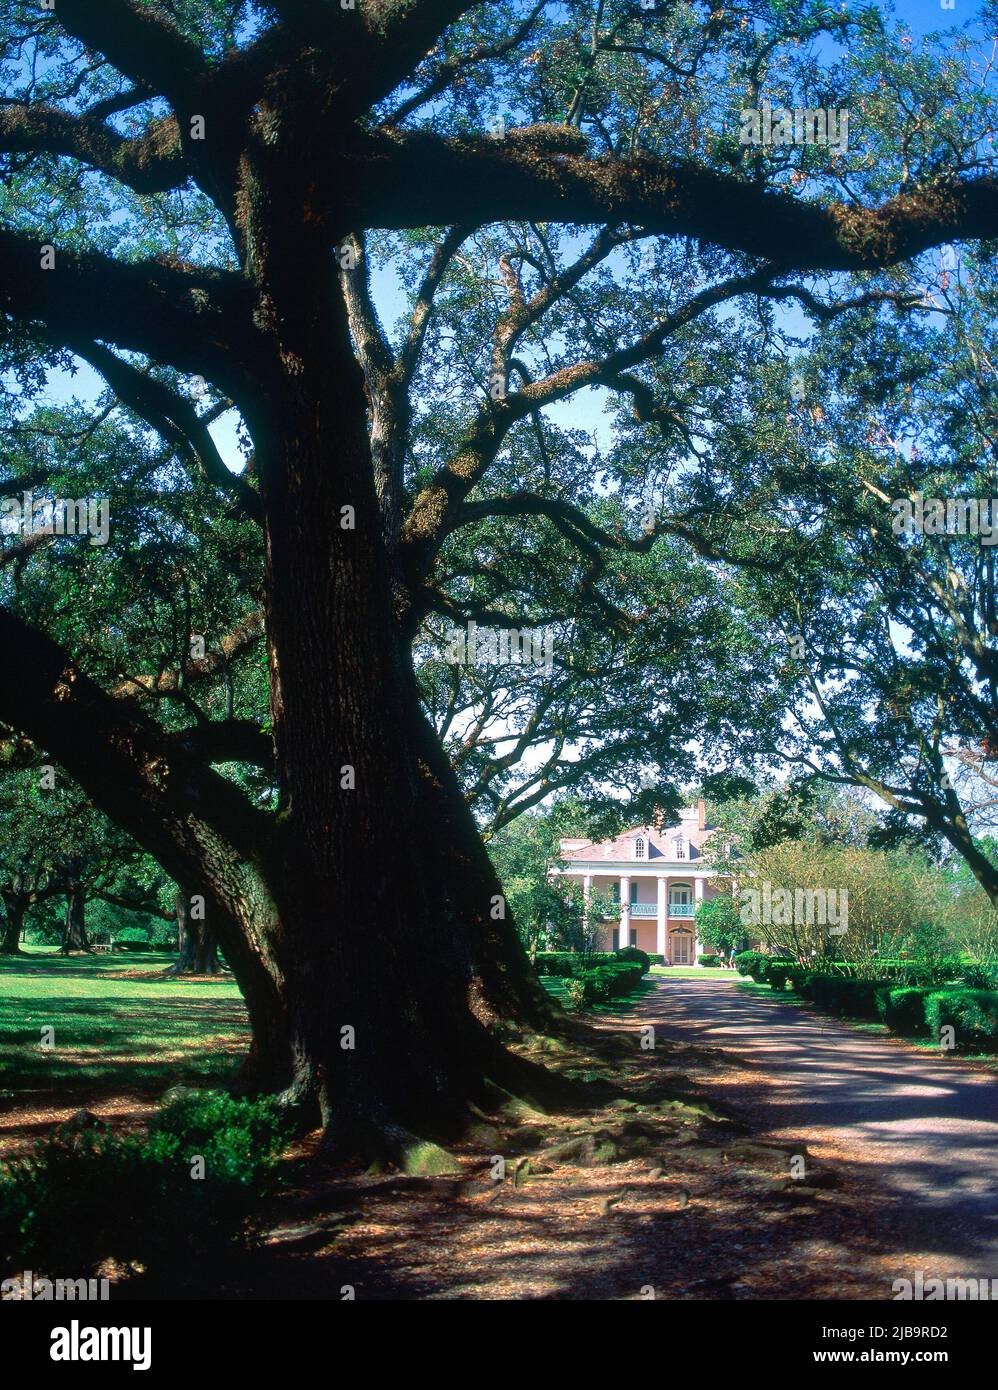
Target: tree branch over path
x,y
436,511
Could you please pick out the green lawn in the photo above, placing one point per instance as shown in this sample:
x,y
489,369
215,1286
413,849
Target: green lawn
x,y
692,972
110,1030
555,986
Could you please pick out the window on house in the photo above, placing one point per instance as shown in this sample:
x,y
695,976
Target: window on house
x,y
680,844
639,848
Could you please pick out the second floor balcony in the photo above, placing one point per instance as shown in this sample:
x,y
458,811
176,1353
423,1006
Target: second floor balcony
x,y
651,909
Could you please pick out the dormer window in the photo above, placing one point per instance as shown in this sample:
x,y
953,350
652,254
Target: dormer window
x,y
639,848
680,845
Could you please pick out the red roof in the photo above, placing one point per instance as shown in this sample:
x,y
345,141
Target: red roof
x,y
622,848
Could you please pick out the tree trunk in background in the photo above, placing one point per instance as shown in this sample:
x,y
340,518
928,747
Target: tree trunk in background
x,y
14,908
198,948
74,935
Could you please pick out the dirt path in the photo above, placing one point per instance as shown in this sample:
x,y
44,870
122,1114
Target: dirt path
x,y
922,1127
690,1204
656,1183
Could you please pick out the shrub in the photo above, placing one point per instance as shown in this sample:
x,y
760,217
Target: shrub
x,y
972,1013
903,1009
566,963
758,964
977,976
906,972
708,960
840,994
780,972
575,994
127,935
798,977
94,1196
746,962
602,983
638,957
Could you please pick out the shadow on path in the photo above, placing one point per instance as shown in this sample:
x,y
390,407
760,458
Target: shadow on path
x,y
924,1128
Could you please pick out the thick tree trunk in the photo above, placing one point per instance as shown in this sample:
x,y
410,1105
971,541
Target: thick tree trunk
x,y
198,950
395,953
363,922
14,908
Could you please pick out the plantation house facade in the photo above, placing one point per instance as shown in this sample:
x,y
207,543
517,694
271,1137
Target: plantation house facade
x,y
659,876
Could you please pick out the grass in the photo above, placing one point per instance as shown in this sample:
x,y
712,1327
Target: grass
x,y
692,972
555,986
117,1023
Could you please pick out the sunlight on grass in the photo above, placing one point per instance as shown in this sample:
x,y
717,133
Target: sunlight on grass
x,y
112,1028
692,972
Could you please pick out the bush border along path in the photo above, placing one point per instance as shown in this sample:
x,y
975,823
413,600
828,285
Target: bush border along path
x,y
909,1010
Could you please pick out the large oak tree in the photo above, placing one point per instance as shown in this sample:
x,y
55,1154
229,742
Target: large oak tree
x,y
190,192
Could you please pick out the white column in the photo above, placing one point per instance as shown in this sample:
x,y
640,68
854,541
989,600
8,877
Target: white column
x,y
624,934
663,908
587,888
698,884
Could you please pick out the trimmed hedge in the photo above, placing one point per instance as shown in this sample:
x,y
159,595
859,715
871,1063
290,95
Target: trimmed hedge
x,y
566,963
602,983
708,960
972,1013
917,1008
903,1009
780,973
745,961
636,956
759,965
903,972
842,995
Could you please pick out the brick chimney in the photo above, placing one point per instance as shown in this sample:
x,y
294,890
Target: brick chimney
x,y
701,815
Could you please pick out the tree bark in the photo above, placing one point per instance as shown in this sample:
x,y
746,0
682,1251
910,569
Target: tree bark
x,y
14,907
394,960
364,922
74,934
198,950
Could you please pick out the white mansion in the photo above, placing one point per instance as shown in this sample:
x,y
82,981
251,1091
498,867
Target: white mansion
x,y
658,875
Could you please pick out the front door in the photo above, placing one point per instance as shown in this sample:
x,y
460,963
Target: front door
x,y
682,948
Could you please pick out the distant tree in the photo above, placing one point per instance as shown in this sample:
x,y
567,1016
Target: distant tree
x,y
719,925
877,471
843,903
549,912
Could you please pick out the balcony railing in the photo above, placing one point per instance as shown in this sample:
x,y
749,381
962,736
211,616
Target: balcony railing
x,y
651,909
